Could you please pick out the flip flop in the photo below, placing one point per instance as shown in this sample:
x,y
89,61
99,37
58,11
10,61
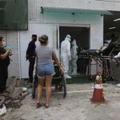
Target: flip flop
x,y
46,106
38,105
6,91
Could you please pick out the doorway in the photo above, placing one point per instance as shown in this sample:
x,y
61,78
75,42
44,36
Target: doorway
x,y
80,34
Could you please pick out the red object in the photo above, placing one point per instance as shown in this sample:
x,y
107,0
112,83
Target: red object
x,y
98,96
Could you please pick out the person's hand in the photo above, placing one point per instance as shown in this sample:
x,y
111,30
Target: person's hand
x,y
27,56
8,49
61,70
10,54
36,70
8,46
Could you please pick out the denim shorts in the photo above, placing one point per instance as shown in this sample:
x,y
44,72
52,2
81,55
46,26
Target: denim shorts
x,y
45,70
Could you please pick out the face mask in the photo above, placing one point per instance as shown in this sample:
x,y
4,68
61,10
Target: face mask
x,y
35,39
68,39
106,45
3,43
74,42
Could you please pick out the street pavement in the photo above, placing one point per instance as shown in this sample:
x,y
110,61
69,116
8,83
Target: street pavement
x,y
76,105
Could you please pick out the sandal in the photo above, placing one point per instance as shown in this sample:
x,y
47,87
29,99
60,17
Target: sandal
x,y
38,105
46,106
6,91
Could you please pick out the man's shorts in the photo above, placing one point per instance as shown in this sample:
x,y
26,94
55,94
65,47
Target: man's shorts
x,y
45,70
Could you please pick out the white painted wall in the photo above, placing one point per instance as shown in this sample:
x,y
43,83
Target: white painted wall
x,y
95,21
25,38
85,4
11,38
34,6
36,20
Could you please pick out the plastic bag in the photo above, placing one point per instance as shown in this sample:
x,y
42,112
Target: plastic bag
x,y
3,110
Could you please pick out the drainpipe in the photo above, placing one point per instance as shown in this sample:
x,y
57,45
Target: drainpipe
x,y
19,53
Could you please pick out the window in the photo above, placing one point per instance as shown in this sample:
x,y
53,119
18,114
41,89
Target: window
x,y
13,14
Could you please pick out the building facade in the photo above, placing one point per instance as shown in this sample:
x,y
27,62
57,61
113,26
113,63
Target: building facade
x,y
82,19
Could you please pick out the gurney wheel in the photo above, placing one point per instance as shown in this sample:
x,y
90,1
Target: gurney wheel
x,y
60,88
89,77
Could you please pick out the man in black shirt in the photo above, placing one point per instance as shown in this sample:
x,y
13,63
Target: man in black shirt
x,y
30,55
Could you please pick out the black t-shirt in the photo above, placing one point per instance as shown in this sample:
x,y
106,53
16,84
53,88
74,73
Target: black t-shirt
x,y
31,49
6,61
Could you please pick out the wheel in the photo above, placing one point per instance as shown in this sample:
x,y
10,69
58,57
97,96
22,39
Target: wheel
x,y
34,86
33,90
90,77
104,79
112,78
64,86
60,87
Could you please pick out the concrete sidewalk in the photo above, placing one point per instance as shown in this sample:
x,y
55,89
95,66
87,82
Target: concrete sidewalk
x,y
76,106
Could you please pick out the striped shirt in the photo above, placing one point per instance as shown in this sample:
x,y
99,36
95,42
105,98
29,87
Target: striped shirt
x,y
44,54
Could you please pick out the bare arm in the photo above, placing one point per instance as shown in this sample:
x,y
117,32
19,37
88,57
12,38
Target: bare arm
x,y
57,61
3,56
101,48
36,60
36,64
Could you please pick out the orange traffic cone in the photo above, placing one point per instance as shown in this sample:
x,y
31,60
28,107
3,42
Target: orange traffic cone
x,y
98,96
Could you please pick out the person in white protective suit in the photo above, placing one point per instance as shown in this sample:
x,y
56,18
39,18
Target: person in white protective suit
x,y
105,45
66,55
74,57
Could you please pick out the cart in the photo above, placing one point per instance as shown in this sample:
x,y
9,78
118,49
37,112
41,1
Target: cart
x,y
58,80
116,70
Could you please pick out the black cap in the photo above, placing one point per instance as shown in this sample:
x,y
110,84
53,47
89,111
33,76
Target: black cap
x,y
34,36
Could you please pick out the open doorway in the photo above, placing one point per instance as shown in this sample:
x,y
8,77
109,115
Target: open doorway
x,y
80,34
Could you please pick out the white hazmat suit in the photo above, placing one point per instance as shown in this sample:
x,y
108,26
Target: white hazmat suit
x,y
74,57
66,54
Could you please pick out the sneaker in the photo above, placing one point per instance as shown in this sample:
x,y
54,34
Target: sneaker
x,y
68,77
